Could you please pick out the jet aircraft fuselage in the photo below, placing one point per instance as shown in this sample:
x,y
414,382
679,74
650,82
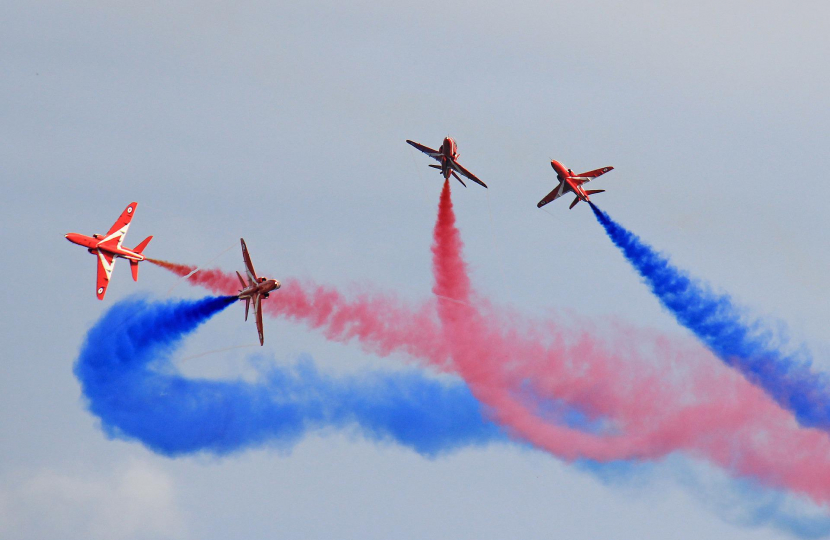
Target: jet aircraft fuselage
x,y
107,247
98,242
570,182
447,155
263,287
254,290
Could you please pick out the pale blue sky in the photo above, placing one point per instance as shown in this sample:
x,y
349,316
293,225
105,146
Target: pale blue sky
x,y
285,123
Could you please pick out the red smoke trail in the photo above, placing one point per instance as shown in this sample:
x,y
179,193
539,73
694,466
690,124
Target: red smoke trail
x,y
708,413
686,401
209,278
382,324
479,357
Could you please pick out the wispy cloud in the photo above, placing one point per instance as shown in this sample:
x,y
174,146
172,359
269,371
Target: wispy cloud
x,y
134,501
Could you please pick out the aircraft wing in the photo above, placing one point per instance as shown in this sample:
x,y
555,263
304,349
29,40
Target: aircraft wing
x,y
249,266
106,262
258,313
593,174
465,172
435,154
122,223
553,195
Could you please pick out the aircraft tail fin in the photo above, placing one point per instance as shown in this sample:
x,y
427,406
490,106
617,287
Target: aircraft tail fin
x,y
241,281
134,269
140,247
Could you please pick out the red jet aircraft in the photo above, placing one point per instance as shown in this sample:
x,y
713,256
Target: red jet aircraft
x,y
255,290
108,246
570,182
448,155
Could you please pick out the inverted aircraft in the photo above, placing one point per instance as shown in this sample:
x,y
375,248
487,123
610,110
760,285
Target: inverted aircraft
x,y
108,247
448,155
569,182
254,290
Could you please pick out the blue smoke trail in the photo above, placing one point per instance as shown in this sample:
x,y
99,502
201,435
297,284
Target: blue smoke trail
x,y
749,347
742,502
129,382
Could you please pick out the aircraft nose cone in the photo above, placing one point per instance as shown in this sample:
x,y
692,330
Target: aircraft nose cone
x,y
277,284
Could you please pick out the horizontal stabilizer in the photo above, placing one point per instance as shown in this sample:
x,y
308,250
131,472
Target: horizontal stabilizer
x,y
434,166
458,178
242,281
574,203
134,269
592,191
